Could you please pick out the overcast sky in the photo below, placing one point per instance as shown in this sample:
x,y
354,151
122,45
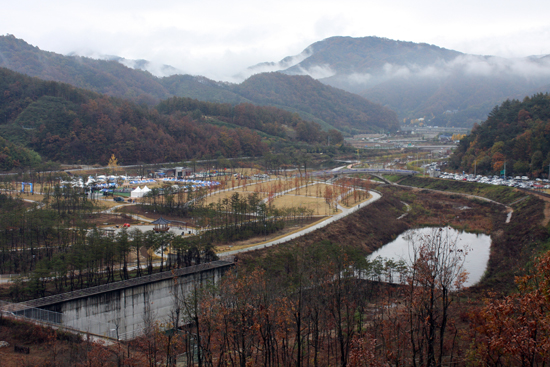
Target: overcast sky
x,y
220,38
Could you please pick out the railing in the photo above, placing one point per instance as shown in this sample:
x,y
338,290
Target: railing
x,y
126,283
8,278
18,309
132,334
365,170
54,320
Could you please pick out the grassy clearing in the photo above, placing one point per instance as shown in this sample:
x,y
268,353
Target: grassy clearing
x,y
227,194
318,205
313,189
501,194
393,178
33,197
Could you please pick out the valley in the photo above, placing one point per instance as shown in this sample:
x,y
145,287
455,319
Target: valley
x,y
181,221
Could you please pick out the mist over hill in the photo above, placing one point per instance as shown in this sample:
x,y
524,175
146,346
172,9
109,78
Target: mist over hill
x,y
417,79
446,87
313,101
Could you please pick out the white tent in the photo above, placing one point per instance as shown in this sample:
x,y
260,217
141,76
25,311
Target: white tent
x,y
145,190
137,193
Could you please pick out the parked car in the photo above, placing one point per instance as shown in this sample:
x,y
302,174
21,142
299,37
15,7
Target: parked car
x,y
118,198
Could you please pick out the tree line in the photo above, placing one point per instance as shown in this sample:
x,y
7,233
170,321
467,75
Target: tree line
x,y
516,133
62,123
55,248
323,305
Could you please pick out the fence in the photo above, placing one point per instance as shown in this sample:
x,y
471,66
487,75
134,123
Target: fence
x,y
33,313
29,310
55,319
131,334
8,278
126,283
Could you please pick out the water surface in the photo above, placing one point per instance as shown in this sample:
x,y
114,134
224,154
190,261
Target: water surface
x,y
475,246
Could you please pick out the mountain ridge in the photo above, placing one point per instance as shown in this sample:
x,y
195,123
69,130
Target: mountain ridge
x,y
397,73
115,79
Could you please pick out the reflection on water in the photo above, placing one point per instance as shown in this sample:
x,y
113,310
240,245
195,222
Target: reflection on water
x,y
477,247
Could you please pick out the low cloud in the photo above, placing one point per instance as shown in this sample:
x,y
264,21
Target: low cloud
x,y
467,65
268,67
358,78
159,70
318,71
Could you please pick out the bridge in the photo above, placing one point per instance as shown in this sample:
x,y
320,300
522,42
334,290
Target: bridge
x,y
370,171
376,172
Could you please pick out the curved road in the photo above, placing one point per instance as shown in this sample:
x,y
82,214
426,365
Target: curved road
x,y
292,236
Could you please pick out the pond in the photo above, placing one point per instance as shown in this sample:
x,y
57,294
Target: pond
x,y
475,247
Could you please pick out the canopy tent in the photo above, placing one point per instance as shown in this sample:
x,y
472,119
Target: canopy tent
x,y
137,193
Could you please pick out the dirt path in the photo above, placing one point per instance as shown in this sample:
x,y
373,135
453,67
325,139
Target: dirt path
x,y
509,209
546,211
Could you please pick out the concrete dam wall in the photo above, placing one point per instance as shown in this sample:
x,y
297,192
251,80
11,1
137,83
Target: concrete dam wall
x,y
122,310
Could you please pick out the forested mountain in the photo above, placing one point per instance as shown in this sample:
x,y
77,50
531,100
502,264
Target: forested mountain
x,y
70,125
267,119
107,77
515,132
203,89
314,101
344,110
334,57
418,80
14,155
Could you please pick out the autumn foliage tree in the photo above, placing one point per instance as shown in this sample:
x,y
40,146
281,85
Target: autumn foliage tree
x,y
515,330
414,326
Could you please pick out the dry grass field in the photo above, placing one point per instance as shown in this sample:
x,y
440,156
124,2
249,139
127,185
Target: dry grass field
x,y
227,194
33,197
312,197
312,189
318,205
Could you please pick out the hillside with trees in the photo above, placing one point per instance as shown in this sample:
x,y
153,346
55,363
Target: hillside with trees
x,y
516,133
107,77
314,101
269,120
44,120
203,89
70,125
343,110
416,80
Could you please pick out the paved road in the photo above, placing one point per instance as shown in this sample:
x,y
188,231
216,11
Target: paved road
x,y
292,236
